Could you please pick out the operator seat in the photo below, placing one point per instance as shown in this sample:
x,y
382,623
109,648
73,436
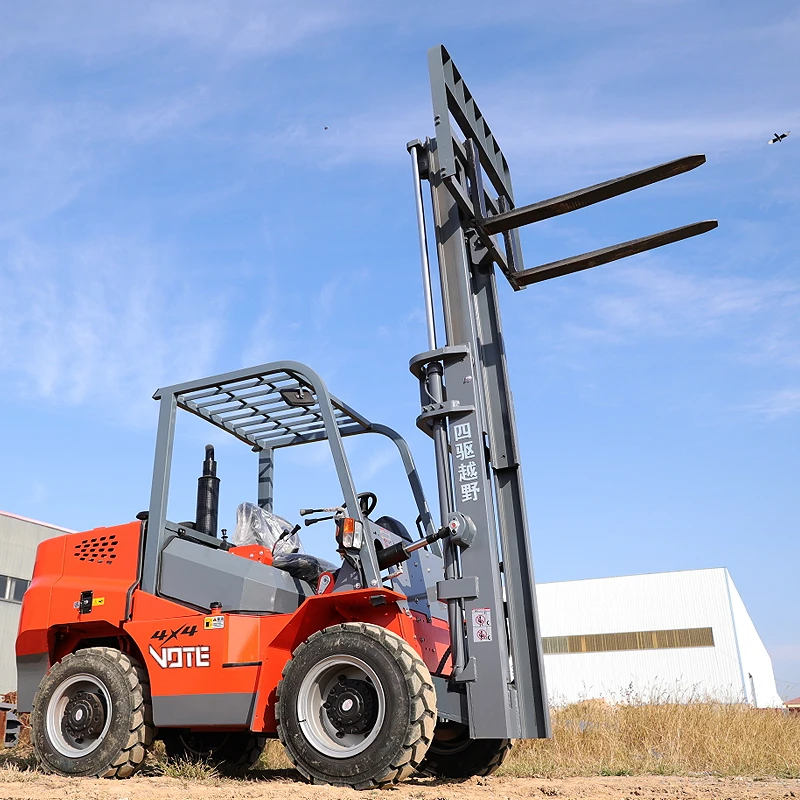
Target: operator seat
x,y
256,525
303,566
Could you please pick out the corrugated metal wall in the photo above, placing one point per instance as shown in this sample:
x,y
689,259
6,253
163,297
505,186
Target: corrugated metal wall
x,y
666,601
19,539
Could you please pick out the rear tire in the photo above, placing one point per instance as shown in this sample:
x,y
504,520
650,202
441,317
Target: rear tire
x,y
231,752
454,755
92,715
356,707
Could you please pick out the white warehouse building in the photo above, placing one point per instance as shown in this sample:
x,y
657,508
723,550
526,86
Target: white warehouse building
x,y
664,636
19,538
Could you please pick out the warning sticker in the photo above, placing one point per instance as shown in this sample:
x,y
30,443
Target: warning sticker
x,y
481,624
211,623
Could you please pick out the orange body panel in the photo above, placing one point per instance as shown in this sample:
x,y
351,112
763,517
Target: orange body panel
x,y
434,641
104,561
184,656
187,652
256,552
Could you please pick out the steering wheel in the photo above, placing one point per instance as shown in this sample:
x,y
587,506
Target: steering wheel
x,y
367,502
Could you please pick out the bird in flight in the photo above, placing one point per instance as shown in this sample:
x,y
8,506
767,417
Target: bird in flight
x,y
779,137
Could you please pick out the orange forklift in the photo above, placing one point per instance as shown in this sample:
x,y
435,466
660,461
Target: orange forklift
x,y
420,650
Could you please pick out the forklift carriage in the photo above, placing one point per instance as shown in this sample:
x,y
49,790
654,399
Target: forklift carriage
x,y
417,653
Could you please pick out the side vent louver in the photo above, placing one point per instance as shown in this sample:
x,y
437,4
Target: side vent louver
x,y
99,549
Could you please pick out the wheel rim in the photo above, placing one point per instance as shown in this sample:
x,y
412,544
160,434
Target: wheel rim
x,y
78,715
341,706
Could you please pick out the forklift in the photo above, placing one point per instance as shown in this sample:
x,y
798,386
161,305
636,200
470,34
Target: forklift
x,y
420,651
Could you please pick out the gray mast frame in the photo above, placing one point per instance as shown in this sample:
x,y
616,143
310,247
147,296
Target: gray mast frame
x,y
248,405
464,386
503,701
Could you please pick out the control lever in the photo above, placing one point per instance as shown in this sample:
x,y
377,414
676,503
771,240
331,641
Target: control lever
x,y
316,519
286,535
304,512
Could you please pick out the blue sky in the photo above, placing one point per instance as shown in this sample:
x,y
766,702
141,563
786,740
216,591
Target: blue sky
x,y
173,207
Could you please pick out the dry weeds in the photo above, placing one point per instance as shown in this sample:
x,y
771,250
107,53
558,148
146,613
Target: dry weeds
x,y
595,738
591,738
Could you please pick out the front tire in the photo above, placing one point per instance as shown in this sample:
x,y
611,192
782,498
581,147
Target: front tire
x,y
454,756
92,715
231,753
356,707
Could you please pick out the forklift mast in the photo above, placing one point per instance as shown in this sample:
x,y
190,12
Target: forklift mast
x,y
467,406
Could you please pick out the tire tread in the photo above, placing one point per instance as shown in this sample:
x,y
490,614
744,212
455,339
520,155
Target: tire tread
x,y
141,730
472,765
422,704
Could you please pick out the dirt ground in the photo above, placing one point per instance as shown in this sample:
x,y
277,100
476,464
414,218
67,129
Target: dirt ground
x,y
280,784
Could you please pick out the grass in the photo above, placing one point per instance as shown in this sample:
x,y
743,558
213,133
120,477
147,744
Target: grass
x,y
183,769
187,769
274,757
589,738
19,764
13,773
596,738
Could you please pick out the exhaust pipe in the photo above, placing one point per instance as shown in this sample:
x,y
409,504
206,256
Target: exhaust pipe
x,y
208,495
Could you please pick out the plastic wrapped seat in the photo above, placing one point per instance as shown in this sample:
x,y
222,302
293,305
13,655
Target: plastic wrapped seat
x,y
255,525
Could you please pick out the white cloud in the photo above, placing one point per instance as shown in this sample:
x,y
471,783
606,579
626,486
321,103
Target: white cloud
x,y
552,144
749,322
779,344
377,462
377,135
653,300
62,139
782,403
247,27
55,150
260,346
98,324
647,300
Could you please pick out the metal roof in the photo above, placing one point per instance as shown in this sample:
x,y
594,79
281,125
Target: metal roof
x,y
35,522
